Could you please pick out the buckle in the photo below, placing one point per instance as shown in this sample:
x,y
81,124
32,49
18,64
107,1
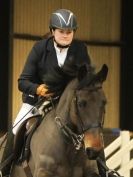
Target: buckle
x,y
113,173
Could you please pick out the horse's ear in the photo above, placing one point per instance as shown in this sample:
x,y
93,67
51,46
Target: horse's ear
x,y
82,72
102,74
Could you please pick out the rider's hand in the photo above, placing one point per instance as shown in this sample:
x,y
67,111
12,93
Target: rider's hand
x,y
42,91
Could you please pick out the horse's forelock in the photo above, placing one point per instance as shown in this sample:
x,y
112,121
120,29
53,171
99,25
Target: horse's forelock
x,y
92,78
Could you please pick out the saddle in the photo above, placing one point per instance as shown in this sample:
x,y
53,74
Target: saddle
x,y
21,147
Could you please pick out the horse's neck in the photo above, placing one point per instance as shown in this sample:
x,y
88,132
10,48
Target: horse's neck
x,y
63,106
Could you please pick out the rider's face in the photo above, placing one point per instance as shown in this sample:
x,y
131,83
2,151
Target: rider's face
x,y
63,36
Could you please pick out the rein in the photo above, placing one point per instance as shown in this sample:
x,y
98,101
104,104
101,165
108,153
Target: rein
x,y
76,139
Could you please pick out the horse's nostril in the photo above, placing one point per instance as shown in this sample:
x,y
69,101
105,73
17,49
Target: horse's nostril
x,y
92,153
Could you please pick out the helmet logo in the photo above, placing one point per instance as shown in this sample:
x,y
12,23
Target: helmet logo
x,y
61,17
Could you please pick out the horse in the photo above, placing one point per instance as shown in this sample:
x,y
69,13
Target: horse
x,y
69,138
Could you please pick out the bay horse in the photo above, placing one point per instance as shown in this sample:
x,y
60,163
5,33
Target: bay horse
x,y
69,137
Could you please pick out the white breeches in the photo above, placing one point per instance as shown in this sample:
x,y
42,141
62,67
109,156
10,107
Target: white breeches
x,y
24,113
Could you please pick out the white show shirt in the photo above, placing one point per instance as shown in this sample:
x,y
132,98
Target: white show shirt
x,y
61,55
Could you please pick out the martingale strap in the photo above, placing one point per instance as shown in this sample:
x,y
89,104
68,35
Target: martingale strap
x,y
106,172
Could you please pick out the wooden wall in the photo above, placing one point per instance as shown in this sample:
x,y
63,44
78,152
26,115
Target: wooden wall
x,y
98,21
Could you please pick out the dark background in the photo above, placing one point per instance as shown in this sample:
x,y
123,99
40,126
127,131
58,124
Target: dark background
x,y
4,61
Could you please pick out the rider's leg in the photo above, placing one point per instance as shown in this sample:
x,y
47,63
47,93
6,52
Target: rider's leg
x,y
23,114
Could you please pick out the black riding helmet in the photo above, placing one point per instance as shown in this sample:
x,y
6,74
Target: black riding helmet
x,y
63,19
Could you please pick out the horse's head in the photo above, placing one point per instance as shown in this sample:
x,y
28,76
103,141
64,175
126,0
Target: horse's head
x,y
83,108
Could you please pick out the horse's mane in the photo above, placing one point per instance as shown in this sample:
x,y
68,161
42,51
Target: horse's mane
x,y
59,77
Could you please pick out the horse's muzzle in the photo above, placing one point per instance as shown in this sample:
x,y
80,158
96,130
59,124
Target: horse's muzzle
x,y
93,143
92,153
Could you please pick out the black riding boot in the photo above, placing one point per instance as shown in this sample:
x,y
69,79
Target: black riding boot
x,y
7,153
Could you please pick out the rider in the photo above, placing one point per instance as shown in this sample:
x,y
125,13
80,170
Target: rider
x,y
44,56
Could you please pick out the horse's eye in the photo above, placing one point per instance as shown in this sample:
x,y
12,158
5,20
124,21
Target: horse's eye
x,y
82,104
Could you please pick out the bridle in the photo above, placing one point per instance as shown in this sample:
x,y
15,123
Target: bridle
x,y
75,138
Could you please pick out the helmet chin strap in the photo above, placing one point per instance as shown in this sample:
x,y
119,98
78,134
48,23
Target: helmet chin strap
x,y
61,46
